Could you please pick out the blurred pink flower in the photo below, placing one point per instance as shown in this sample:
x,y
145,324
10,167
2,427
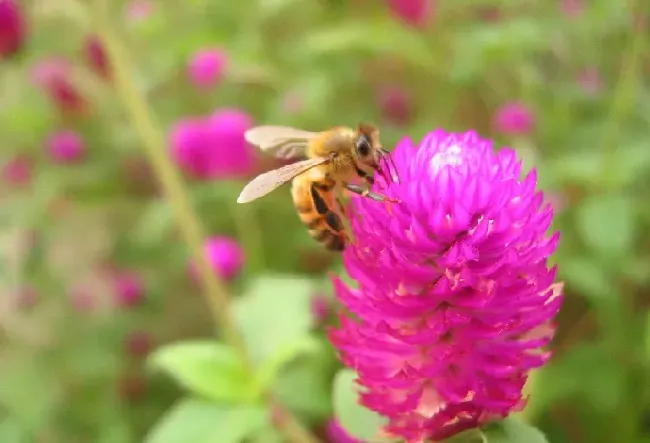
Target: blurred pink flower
x,y
207,68
456,296
66,147
416,13
395,105
53,75
96,57
224,255
214,147
17,171
336,434
83,300
572,8
139,343
12,28
128,287
26,297
138,10
514,118
320,308
590,80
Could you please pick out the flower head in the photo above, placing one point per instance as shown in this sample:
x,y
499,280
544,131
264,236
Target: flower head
x,y
128,287
572,8
590,80
17,171
514,118
207,68
416,13
214,147
66,147
395,105
139,343
12,28
336,434
138,10
225,256
54,76
455,296
96,57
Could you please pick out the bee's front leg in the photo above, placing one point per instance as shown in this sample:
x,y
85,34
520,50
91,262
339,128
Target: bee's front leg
x,y
367,193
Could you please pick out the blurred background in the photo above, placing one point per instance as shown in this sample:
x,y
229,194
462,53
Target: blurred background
x,y
95,274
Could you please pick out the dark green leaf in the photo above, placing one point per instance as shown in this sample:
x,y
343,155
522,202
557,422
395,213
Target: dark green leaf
x,y
357,420
203,422
206,368
512,430
606,224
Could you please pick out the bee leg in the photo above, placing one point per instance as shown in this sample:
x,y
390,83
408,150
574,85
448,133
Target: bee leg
x,y
367,193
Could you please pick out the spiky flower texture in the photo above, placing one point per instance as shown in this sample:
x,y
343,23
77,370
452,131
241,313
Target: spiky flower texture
x,y
455,296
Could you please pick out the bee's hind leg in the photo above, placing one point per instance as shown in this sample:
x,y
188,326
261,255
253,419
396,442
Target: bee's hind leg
x,y
368,193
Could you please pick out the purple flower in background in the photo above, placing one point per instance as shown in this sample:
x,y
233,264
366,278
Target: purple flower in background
x,y
225,256
456,295
138,10
96,57
66,147
320,308
416,13
12,28
514,118
26,297
139,343
17,171
395,105
572,8
128,287
214,147
207,68
54,76
590,80
336,434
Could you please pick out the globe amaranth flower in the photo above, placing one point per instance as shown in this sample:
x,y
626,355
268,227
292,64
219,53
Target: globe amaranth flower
x,y
514,118
207,68
336,434
54,76
96,57
66,147
416,13
17,170
137,11
12,28
395,105
214,147
128,288
455,294
224,255
590,80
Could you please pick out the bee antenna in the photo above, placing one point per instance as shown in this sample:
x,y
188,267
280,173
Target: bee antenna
x,y
390,162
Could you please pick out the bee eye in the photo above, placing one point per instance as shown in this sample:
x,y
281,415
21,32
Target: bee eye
x,y
363,146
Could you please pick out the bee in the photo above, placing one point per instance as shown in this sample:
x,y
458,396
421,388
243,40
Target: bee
x,y
328,162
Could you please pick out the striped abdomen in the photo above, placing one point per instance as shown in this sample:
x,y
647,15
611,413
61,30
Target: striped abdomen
x,y
314,201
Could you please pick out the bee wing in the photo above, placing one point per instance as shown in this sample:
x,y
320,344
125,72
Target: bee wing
x,y
267,182
281,141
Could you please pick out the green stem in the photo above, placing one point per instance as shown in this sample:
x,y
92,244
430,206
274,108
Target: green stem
x,y
153,143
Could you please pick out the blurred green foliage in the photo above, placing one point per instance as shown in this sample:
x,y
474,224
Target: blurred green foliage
x,y
65,372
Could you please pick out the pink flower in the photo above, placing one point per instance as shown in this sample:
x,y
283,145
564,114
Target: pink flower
x,y
12,28
96,56
224,255
26,297
214,147
128,287
590,80
66,147
138,10
336,434
53,75
320,308
207,68
572,8
456,296
416,13
17,171
139,343
514,118
395,105
83,300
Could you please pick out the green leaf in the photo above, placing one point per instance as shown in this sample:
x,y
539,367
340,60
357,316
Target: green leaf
x,y
512,430
206,368
588,277
199,421
606,224
275,312
358,421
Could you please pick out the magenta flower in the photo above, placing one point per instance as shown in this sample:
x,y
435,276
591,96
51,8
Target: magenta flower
x,y
225,256
214,147
514,118
336,434
96,57
138,343
416,13
128,287
17,171
395,105
12,28
456,296
66,147
54,76
320,308
207,68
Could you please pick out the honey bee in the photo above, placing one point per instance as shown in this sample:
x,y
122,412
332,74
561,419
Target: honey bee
x,y
334,159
